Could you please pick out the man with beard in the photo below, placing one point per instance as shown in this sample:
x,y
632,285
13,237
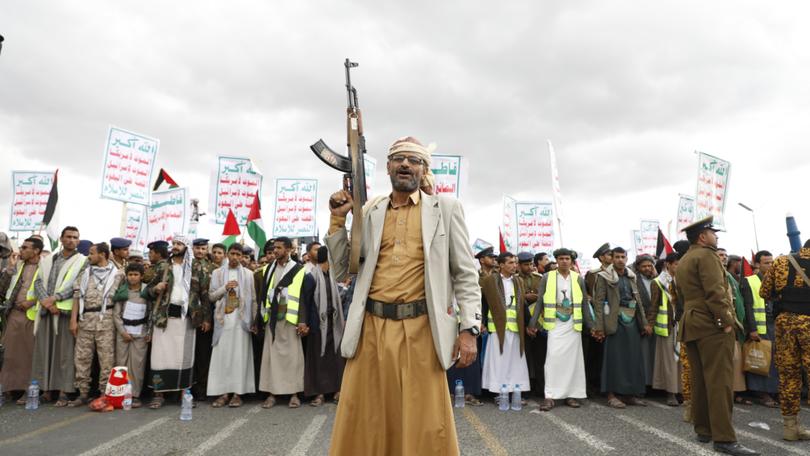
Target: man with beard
x,y
662,312
282,369
644,267
92,321
592,347
759,324
202,268
20,299
402,332
178,310
621,321
52,364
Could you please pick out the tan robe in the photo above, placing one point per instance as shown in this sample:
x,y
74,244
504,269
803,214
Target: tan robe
x,y
18,339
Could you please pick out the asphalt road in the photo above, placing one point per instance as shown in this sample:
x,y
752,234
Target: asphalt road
x,y
251,430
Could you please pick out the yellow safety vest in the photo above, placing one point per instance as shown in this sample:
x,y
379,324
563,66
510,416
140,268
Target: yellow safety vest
x,y
30,295
67,304
662,319
759,304
293,297
550,301
511,316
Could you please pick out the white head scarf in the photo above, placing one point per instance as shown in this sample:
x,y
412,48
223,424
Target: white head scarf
x,y
187,258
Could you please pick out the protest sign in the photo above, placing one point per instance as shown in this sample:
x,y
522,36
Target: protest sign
x,y
295,208
129,159
535,227
712,187
447,173
167,214
30,191
237,181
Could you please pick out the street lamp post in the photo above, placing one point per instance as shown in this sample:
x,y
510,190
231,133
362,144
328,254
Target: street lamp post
x,y
754,221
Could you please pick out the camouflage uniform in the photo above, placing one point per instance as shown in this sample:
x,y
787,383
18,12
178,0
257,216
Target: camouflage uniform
x,y
199,308
202,269
96,335
792,332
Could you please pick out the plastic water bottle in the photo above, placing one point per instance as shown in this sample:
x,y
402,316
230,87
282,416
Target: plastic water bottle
x,y
127,403
517,403
503,399
186,405
459,394
32,399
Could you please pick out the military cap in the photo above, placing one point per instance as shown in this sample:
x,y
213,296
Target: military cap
x,y
525,257
119,243
487,252
701,225
603,249
84,247
157,245
199,241
562,251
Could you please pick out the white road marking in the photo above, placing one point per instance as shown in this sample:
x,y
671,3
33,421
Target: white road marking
x,y
106,446
692,447
587,438
308,436
766,440
215,439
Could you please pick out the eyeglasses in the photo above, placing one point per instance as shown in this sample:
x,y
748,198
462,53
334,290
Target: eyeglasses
x,y
415,161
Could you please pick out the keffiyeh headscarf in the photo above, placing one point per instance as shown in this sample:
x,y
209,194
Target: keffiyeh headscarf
x,y
178,237
412,145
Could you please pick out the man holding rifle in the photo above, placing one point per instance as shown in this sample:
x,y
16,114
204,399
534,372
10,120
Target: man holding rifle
x,y
401,332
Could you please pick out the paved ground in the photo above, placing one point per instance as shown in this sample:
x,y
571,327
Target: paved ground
x,y
593,429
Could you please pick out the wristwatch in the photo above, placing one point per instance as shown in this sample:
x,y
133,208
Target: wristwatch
x,y
472,330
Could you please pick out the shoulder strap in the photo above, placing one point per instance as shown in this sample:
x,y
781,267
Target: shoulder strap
x,y
288,277
799,269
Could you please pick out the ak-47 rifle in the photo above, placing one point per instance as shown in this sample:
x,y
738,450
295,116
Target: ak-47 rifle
x,y
353,166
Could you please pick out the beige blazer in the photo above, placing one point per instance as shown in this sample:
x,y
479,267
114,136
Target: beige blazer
x,y
449,271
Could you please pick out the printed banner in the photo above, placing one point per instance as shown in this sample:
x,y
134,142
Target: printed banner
x,y
686,214
555,183
295,208
136,226
447,172
370,164
30,196
712,186
167,214
237,182
535,227
129,160
509,223
649,236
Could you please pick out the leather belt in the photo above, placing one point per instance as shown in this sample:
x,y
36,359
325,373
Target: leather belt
x,y
396,311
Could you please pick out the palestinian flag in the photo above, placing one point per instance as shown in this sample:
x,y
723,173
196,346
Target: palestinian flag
x,y
747,269
50,210
231,230
163,176
663,247
255,228
501,244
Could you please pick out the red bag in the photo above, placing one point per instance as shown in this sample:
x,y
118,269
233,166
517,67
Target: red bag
x,y
116,384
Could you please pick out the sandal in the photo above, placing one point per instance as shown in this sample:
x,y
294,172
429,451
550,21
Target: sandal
x,y
62,401
236,401
573,403
295,402
318,401
157,402
21,400
136,403
474,401
672,401
269,402
547,405
632,400
220,402
80,400
614,402
336,397
769,402
742,401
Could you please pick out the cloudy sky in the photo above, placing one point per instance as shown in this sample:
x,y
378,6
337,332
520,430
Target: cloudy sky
x,y
627,91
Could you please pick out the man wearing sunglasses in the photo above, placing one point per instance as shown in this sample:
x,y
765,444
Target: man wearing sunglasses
x,y
401,330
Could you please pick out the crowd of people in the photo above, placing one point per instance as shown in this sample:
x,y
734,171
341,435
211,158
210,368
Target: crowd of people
x,y
213,318
409,325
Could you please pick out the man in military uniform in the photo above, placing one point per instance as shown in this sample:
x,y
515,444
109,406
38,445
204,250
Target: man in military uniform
x,y
120,252
593,348
786,283
486,258
158,251
708,330
201,267
535,345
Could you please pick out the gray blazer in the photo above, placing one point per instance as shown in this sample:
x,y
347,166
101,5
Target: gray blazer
x,y
449,271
